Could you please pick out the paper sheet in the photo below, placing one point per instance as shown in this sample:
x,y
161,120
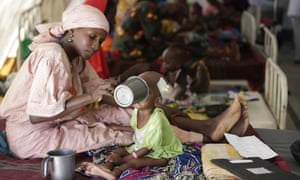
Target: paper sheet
x,y
250,146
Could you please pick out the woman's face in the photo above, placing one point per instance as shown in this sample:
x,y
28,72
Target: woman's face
x,y
86,41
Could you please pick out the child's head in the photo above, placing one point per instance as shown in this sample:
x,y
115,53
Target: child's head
x,y
173,58
151,78
139,90
195,12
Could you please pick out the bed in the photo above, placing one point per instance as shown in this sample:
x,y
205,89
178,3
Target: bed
x,y
251,61
187,166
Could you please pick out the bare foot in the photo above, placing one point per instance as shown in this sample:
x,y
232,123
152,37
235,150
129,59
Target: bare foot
x,y
97,170
242,125
225,121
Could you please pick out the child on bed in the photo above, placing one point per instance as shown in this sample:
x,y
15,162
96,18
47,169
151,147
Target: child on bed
x,y
154,139
175,73
175,69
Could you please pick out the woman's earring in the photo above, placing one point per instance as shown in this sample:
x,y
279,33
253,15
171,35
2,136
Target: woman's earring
x,y
70,38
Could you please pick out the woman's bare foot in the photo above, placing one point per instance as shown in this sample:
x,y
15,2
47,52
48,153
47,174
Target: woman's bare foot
x,y
98,170
241,126
225,121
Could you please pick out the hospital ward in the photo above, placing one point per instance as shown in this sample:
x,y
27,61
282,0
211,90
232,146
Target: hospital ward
x,y
150,89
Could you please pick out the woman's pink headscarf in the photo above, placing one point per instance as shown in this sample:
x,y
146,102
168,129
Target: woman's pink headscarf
x,y
79,16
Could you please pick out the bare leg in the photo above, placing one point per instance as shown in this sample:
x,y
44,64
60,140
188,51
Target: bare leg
x,y
100,170
187,136
214,128
138,164
117,157
97,170
241,126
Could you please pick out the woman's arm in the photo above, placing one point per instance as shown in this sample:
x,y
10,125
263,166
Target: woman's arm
x,y
75,103
71,105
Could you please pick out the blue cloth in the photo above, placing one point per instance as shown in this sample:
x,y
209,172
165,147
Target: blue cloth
x,y
4,149
185,166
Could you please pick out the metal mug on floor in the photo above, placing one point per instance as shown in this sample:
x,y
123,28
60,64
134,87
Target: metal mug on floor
x,y
60,163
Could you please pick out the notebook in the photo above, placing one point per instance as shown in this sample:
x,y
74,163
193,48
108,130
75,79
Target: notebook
x,y
254,168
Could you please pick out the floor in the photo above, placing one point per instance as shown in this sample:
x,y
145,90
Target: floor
x,y
285,60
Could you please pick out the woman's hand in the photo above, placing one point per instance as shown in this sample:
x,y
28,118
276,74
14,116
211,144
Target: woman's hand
x,y
105,89
113,81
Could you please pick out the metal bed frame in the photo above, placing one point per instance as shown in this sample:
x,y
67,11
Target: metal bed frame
x,y
276,92
28,19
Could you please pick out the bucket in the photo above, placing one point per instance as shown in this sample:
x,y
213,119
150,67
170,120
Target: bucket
x,y
133,90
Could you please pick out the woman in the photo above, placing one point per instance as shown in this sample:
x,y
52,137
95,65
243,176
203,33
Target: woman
x,y
54,83
43,105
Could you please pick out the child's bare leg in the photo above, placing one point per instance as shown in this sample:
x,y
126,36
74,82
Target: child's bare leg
x,y
214,128
117,157
242,125
138,164
97,170
100,170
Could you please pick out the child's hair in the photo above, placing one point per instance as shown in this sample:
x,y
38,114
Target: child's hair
x,y
152,78
215,3
196,7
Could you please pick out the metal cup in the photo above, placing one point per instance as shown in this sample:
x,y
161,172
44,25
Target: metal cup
x,y
133,90
61,164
